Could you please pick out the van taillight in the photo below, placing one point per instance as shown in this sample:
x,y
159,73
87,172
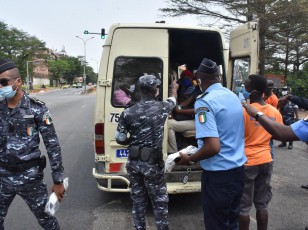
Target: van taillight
x,y
99,138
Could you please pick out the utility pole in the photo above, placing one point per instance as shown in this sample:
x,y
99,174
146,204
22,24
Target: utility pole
x,y
85,61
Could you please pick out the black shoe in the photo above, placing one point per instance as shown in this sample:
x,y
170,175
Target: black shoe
x,y
282,145
305,187
306,228
290,147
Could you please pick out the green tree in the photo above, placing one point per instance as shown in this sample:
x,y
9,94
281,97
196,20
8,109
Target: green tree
x,y
20,46
231,12
57,70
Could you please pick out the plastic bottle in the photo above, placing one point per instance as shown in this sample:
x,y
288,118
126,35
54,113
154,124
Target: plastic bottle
x,y
53,203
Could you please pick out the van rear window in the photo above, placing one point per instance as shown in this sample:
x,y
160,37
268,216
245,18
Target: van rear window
x,y
127,71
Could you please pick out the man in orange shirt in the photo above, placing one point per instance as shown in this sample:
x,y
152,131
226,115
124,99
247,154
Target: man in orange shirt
x,y
269,96
259,165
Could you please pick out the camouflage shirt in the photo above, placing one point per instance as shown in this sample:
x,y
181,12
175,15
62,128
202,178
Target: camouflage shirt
x,y
19,134
145,120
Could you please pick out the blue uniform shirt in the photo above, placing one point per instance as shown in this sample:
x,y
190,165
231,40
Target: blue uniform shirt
x,y
219,113
300,128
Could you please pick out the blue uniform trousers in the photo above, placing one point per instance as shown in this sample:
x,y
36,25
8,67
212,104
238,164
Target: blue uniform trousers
x,y
221,194
35,195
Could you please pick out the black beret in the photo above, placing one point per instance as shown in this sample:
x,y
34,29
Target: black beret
x,y
6,64
208,66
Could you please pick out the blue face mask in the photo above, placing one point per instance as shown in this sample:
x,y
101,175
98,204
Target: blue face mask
x,y
245,93
7,92
187,82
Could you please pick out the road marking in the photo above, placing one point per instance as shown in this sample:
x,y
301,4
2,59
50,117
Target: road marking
x,y
83,106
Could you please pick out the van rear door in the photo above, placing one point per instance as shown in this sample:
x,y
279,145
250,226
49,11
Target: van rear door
x,y
243,52
133,52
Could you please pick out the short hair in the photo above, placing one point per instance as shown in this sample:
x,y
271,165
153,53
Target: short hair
x,y
258,82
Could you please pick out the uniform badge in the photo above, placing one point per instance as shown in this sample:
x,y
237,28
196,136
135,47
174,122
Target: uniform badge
x,y
202,117
47,118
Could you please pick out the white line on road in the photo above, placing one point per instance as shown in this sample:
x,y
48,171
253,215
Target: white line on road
x,y
83,106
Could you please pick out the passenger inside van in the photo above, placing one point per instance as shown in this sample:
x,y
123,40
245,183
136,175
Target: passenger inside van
x,y
183,115
122,96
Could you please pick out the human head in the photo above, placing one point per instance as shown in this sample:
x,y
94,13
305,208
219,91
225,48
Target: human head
x,y
207,74
186,78
10,79
148,84
270,85
256,85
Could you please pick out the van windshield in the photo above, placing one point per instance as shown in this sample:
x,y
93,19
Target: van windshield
x,y
126,74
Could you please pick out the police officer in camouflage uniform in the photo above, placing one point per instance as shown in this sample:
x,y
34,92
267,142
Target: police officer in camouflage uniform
x,y
22,118
144,121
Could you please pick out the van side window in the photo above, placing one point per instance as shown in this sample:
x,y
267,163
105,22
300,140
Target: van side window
x,y
127,71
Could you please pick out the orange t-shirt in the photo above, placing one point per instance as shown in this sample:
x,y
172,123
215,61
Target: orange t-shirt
x,y
257,139
272,100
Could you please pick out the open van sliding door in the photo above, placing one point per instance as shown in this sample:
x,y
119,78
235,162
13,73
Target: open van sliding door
x,y
243,54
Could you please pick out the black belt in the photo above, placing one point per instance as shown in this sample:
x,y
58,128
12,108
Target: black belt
x,y
21,166
145,154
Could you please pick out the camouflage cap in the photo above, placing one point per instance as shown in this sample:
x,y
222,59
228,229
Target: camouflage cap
x,y
148,82
6,64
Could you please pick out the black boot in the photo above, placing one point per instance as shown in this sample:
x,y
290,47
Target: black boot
x,y
283,144
243,222
290,145
262,219
305,186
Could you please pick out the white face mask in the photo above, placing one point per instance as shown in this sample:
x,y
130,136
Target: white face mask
x,y
7,92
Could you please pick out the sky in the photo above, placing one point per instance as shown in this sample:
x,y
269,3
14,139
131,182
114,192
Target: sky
x,y
58,22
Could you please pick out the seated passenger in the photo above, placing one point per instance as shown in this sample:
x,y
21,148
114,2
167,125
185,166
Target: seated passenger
x,y
183,119
122,95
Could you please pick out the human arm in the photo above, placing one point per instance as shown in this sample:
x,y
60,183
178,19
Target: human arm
x,y
121,133
300,101
53,148
210,148
174,90
278,131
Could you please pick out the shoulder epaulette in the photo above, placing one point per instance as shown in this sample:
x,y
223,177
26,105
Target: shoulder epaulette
x,y
36,101
202,95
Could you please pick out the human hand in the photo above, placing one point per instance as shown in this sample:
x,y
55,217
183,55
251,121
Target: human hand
x,y
250,109
285,98
59,190
184,159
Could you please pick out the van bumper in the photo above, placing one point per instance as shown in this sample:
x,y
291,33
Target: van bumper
x,y
110,179
172,187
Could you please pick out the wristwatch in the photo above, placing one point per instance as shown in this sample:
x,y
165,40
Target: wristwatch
x,y
180,107
258,114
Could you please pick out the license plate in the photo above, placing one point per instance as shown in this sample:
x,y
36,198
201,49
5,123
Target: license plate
x,y
122,153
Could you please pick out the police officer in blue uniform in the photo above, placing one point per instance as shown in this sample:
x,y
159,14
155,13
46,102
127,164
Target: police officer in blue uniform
x,y
22,119
220,136
144,121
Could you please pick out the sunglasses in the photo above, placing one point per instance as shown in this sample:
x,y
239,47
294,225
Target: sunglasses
x,y
5,82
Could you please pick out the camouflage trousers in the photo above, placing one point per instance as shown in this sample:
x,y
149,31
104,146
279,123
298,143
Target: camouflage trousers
x,y
35,195
148,181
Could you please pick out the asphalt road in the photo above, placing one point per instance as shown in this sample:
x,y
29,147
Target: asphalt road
x,y
85,207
